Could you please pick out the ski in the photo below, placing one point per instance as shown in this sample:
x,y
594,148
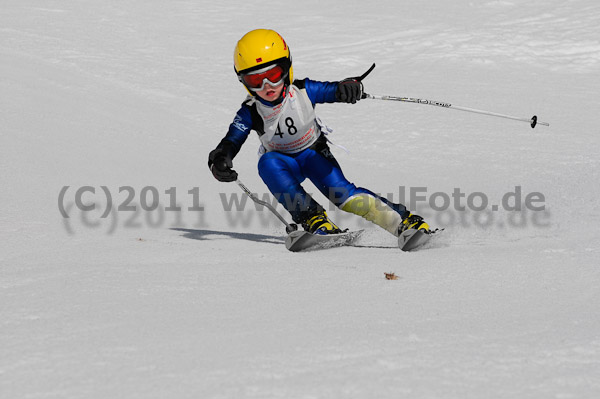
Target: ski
x,y
298,241
412,239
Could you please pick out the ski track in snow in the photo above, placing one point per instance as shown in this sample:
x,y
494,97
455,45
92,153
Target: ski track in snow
x,y
210,304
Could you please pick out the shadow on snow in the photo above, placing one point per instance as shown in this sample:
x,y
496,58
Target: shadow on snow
x,y
205,235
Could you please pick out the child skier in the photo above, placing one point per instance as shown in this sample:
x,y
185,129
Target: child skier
x,y
281,110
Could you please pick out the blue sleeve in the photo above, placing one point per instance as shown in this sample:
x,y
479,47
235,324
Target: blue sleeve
x,y
239,130
320,92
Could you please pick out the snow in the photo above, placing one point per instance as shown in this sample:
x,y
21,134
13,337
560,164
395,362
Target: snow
x,y
209,304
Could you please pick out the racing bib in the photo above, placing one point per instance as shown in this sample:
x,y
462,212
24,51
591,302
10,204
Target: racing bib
x,y
290,126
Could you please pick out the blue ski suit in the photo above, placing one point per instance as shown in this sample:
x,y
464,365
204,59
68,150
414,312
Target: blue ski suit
x,y
294,150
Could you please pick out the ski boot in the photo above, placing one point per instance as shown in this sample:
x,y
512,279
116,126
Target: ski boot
x,y
320,224
415,222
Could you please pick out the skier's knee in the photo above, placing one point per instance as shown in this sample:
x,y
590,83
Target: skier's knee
x,y
374,210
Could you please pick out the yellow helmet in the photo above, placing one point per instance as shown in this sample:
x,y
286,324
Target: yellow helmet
x,y
259,49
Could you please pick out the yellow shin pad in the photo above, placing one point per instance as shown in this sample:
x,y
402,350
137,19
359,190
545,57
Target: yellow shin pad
x,y
374,210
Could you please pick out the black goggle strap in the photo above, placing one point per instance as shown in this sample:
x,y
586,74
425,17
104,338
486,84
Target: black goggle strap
x,y
285,64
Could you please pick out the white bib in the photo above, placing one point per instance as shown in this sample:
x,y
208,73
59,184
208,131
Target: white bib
x,y
289,126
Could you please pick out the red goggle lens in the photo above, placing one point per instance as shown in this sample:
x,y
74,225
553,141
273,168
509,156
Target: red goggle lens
x,y
255,80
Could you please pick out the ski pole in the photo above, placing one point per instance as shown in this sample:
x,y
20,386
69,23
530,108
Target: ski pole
x,y
533,121
289,227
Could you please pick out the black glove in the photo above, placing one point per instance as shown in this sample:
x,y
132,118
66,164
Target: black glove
x,y
349,90
219,162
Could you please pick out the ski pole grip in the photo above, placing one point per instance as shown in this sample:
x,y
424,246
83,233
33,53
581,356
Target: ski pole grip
x,y
364,75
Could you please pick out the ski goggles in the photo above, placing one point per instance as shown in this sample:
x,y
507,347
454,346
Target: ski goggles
x,y
256,80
